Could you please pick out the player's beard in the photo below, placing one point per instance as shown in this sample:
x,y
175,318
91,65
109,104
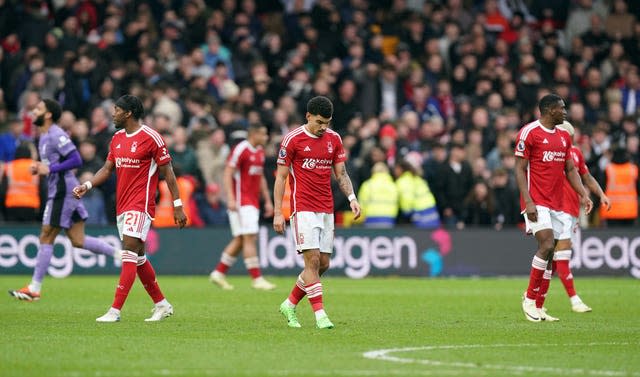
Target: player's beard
x,y
39,120
118,125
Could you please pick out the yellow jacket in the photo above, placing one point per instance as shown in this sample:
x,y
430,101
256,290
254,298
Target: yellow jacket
x,y
378,198
417,201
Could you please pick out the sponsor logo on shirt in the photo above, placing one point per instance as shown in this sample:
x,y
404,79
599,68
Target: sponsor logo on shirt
x,y
316,163
549,156
520,146
307,149
545,141
63,140
127,162
255,170
118,146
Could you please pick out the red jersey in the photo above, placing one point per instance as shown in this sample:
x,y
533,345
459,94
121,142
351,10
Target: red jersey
x,y
310,159
137,157
571,202
249,164
546,151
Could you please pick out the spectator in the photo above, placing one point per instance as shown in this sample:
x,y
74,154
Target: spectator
x,y
479,205
455,182
378,196
212,210
19,188
417,203
622,189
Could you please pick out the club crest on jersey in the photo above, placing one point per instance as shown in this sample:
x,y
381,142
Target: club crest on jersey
x,y
134,146
330,147
520,146
564,143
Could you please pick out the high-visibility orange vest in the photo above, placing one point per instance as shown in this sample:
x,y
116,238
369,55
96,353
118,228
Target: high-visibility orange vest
x,y
22,186
286,200
164,208
621,190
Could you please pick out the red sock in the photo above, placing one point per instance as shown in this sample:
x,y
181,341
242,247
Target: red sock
x,y
147,276
538,266
544,288
127,277
226,261
314,291
253,266
298,292
566,277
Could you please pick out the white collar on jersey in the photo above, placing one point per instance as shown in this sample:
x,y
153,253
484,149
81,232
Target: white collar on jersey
x,y
304,128
134,133
545,129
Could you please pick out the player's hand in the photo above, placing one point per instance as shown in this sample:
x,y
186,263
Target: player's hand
x,y
43,169
604,200
532,212
179,217
231,205
34,168
268,209
278,223
79,191
355,208
586,202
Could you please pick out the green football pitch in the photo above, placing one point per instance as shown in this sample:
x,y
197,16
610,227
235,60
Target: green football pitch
x,y
384,327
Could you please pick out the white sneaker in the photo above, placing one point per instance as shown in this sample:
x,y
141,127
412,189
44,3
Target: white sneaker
x,y
160,312
220,280
531,313
262,284
546,316
580,307
111,316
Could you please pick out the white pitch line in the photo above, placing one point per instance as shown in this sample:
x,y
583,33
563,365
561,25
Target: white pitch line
x,y
384,354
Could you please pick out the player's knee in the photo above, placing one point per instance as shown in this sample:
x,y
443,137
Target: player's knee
x,y
324,266
76,241
547,247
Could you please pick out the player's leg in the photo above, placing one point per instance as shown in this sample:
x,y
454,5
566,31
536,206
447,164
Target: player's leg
x,y
561,258
543,232
79,239
228,258
251,261
31,292
229,254
315,292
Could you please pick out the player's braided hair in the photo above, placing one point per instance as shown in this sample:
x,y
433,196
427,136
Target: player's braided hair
x,y
131,103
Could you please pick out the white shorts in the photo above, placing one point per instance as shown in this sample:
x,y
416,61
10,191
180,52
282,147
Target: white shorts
x,y
244,221
549,219
569,225
313,230
134,224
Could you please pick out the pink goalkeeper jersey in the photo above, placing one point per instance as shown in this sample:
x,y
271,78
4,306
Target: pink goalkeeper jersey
x,y
546,151
310,159
137,157
249,164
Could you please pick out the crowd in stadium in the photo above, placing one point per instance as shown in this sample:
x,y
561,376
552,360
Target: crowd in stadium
x,y
439,87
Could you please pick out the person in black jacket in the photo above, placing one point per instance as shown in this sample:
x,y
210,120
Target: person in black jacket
x,y
454,182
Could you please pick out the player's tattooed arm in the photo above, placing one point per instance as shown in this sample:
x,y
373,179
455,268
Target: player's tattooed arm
x,y
344,182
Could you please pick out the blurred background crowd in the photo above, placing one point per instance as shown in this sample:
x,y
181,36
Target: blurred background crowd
x,y
427,89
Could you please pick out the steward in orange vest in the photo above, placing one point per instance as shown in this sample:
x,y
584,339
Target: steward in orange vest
x,y
164,208
622,184
20,187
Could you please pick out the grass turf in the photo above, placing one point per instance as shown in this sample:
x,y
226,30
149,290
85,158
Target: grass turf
x,y
448,327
